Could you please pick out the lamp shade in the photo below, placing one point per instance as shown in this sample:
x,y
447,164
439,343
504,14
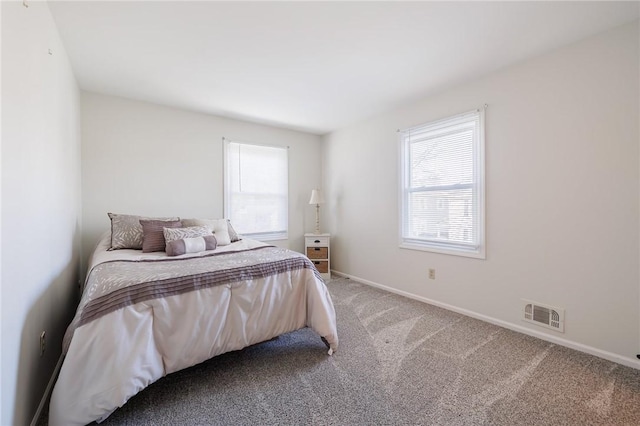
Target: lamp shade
x,y
316,197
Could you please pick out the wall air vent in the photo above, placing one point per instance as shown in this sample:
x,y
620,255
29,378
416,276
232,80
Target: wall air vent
x,y
543,315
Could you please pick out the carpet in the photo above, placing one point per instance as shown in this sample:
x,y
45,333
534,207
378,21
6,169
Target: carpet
x,y
400,362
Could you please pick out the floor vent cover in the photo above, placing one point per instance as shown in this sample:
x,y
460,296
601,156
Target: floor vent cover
x,y
544,315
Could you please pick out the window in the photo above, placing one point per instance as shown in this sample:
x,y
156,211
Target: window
x,y
442,166
256,189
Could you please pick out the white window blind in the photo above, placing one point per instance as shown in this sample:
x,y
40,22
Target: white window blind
x,y
257,189
443,185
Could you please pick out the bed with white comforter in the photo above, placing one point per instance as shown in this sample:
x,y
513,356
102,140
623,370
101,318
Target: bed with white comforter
x,y
143,316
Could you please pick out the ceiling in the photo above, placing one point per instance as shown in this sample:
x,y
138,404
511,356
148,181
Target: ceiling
x,y
310,66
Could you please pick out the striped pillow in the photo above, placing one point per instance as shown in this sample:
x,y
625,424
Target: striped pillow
x,y
191,245
153,234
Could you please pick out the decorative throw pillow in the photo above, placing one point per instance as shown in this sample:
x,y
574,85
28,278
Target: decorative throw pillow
x,y
191,245
212,223
172,234
220,227
221,231
126,231
233,235
153,233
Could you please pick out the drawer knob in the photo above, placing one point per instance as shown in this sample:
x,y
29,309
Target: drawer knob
x,y
317,241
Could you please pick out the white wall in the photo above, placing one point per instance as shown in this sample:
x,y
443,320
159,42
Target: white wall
x,y
562,173
1,382
40,203
141,158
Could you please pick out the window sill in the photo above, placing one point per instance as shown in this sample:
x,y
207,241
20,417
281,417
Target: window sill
x,y
476,254
262,237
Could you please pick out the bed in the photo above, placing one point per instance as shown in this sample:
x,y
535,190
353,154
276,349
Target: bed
x,y
145,315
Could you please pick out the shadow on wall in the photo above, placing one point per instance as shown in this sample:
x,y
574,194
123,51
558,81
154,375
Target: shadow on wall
x,y
89,242
52,312
338,219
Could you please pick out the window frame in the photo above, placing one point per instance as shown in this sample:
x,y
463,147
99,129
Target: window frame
x,y
260,236
477,186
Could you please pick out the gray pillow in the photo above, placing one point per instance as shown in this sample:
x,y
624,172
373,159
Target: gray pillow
x,y
191,245
126,231
232,233
153,233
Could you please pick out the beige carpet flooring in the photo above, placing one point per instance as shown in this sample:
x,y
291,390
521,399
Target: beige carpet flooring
x,y
400,362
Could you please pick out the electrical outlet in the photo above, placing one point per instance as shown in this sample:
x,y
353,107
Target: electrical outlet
x,y
432,274
42,342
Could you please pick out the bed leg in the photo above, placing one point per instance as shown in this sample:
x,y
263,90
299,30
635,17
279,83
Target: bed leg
x,y
325,342
328,345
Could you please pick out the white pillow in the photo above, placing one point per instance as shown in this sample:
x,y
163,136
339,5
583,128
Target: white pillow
x,y
221,231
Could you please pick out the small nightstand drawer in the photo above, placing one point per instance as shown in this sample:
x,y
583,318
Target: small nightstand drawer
x,y
318,252
317,241
321,265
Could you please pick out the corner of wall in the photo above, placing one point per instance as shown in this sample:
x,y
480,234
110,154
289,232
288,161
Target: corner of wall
x,y
40,157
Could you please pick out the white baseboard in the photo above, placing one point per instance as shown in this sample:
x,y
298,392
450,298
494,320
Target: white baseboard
x,y
47,391
610,356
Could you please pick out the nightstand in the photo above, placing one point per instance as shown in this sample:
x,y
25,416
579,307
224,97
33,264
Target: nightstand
x,y
316,247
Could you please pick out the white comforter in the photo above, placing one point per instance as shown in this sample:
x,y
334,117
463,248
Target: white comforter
x,y
112,357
